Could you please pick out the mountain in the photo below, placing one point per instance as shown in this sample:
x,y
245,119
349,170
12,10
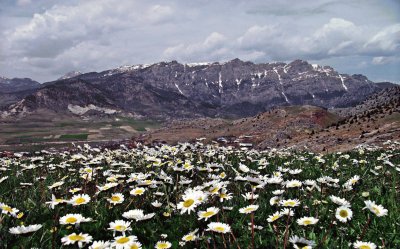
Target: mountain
x,y
173,90
13,90
385,101
70,75
374,121
17,84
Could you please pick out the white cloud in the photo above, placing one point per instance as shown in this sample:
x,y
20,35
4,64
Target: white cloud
x,y
212,48
387,40
382,60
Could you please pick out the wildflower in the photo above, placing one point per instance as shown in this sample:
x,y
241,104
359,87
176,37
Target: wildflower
x,y
123,242
188,204
343,214
76,238
378,210
287,211
364,245
56,185
305,221
54,201
274,217
223,195
301,243
211,211
293,184
72,219
135,245
137,191
244,168
137,214
190,236
100,245
278,192
290,203
120,226
274,200
25,229
219,227
163,245
156,204
248,209
250,196
77,200
116,198
339,201
6,209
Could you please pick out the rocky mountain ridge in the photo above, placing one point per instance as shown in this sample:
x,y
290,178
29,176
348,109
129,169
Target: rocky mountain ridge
x,y
169,90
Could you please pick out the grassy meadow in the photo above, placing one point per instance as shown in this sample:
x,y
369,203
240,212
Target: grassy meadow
x,y
201,196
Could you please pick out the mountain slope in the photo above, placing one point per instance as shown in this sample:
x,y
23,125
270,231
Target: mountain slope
x,y
13,90
17,84
232,89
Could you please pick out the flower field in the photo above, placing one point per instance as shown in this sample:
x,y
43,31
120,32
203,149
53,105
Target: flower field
x,y
201,196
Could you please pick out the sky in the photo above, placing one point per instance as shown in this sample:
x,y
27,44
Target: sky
x,y
44,39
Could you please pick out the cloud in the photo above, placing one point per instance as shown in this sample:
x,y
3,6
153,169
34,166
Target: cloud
x,y
44,39
385,41
214,47
159,13
382,60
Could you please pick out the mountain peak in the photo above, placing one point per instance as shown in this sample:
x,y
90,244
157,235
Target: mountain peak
x,y
70,75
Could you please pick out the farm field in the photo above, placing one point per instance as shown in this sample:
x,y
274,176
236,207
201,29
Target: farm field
x,y
37,133
201,196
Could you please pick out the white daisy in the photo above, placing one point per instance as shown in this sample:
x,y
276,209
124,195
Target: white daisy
x,y
343,214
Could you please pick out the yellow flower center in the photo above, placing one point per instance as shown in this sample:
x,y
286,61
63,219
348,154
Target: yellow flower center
x,y
290,203
120,228
163,245
76,237
138,191
189,237
307,222
214,190
115,198
188,203
134,246
275,217
249,209
343,213
208,214
71,220
376,210
7,208
219,229
80,200
365,247
122,240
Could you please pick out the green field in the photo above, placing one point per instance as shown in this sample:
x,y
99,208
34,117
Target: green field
x,y
202,197
34,132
